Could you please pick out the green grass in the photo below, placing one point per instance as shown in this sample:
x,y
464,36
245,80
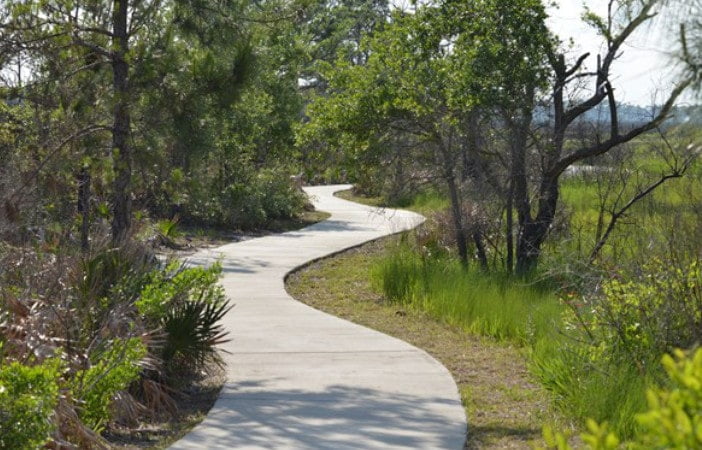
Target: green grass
x,y
487,304
590,388
428,202
425,202
526,314
364,200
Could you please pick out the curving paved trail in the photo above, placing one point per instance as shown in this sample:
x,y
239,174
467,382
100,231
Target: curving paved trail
x,y
300,378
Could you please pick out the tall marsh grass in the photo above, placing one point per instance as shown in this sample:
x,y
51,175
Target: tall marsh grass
x,y
488,304
586,388
526,313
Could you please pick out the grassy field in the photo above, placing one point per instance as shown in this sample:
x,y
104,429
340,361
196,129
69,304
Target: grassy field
x,y
668,218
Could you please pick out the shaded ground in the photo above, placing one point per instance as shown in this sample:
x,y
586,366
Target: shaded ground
x,y
161,432
190,239
504,408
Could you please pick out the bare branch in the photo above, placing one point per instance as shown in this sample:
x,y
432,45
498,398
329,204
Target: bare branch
x,y
616,215
613,141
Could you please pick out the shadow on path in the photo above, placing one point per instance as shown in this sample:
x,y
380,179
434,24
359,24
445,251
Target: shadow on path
x,y
339,417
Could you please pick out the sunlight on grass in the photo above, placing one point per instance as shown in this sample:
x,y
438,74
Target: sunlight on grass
x,y
486,304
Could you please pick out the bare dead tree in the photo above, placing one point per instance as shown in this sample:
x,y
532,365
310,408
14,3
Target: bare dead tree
x,y
535,220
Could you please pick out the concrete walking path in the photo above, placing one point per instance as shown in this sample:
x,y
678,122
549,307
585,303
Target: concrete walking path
x,y
299,378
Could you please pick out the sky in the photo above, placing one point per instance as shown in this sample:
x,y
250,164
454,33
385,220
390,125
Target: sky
x,y
646,65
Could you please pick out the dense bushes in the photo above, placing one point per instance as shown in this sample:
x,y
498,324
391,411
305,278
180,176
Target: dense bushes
x,y
28,398
250,202
649,315
87,339
613,340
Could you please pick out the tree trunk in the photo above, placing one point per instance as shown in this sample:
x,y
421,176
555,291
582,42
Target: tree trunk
x,y
519,189
509,228
456,212
84,208
480,249
122,156
533,232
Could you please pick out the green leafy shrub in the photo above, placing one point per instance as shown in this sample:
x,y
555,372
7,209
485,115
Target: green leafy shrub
x,y
249,202
188,304
176,284
114,369
641,319
279,197
614,340
28,397
193,332
674,416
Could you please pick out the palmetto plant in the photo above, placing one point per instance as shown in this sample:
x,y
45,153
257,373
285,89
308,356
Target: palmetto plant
x,y
193,332
125,329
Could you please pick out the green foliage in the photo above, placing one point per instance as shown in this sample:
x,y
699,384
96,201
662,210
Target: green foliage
x,y
112,273
673,418
113,369
650,315
168,228
414,88
176,284
612,343
193,332
207,119
251,201
492,305
28,396
597,437
188,304
106,313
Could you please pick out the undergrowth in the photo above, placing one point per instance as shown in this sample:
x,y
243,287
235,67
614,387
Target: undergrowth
x,y
489,304
96,339
571,347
